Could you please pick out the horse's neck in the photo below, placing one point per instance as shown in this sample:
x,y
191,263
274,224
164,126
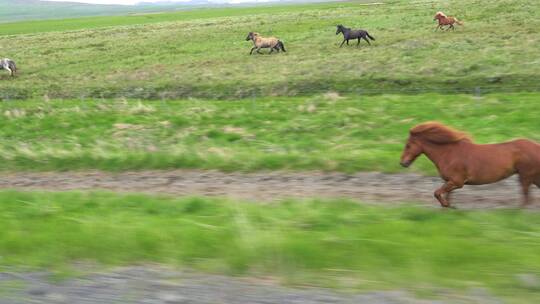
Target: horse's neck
x,y
437,153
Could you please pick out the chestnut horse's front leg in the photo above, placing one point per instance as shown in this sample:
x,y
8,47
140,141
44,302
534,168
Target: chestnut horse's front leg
x,y
526,182
446,189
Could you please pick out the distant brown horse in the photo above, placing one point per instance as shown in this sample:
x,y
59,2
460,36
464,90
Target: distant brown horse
x,y
462,162
445,20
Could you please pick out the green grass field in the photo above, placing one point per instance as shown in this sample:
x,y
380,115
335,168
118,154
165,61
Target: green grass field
x,y
325,132
329,243
179,90
203,53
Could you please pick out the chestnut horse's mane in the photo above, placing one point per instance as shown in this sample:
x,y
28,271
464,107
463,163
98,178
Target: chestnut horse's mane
x,y
441,14
438,133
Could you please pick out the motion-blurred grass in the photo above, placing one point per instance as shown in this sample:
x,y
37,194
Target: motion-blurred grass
x,y
329,243
324,132
203,53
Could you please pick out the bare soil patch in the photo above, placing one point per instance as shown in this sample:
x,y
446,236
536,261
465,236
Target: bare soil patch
x,y
272,186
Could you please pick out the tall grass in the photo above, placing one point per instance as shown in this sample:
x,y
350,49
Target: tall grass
x,y
323,132
329,243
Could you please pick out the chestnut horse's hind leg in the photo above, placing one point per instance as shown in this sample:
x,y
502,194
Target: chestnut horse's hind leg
x,y
446,189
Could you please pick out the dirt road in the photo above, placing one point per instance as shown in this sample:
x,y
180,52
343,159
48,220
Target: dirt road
x,y
270,186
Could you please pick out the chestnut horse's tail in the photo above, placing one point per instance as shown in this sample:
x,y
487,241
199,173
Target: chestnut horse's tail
x,y
457,21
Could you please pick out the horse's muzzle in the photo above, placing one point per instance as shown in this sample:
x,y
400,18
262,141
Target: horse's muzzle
x,y
405,164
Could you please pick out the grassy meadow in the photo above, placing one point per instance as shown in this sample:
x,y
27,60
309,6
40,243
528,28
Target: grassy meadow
x,y
203,53
325,132
328,243
179,90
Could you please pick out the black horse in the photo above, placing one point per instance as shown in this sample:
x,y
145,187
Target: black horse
x,y
349,34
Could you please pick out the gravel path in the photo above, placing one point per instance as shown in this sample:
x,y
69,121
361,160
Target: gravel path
x,y
268,186
156,285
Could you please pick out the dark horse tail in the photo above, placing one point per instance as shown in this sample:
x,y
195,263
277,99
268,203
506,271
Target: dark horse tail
x,y
370,36
12,65
281,46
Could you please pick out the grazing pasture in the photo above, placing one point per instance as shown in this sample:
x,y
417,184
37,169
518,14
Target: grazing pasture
x,y
338,243
202,53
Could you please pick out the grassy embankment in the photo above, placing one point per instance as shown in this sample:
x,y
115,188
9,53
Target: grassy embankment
x,y
328,243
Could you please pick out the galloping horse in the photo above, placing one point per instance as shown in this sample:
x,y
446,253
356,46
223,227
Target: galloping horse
x,y
462,162
349,34
8,65
445,20
261,42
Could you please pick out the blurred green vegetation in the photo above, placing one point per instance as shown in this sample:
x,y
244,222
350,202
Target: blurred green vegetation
x,y
328,243
325,132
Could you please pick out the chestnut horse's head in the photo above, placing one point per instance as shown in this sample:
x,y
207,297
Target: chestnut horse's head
x,y
439,15
413,149
429,133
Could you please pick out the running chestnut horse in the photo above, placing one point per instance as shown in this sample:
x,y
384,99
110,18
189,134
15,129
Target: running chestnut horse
x,y
462,162
445,20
